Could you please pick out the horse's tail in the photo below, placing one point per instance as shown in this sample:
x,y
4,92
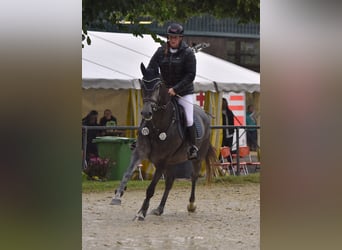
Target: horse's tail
x,y
210,159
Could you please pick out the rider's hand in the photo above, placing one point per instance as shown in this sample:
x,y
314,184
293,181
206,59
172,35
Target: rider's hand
x,y
171,92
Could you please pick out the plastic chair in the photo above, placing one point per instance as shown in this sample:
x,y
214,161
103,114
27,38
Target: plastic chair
x,y
232,165
224,164
225,153
244,154
255,164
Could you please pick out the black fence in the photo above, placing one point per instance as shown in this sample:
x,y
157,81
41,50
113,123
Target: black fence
x,y
205,25
236,128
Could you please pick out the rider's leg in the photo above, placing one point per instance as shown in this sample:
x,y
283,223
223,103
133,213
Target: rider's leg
x,y
187,103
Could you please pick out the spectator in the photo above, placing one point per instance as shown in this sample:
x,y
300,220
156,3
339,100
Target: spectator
x,y
227,119
109,120
252,133
228,133
91,120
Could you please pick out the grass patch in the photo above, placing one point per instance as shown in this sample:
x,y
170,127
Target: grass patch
x,y
98,186
89,186
241,179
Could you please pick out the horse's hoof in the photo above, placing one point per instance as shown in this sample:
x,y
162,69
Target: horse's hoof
x,y
139,217
122,192
115,201
157,212
191,207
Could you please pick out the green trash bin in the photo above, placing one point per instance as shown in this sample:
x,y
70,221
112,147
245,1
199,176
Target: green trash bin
x,y
117,149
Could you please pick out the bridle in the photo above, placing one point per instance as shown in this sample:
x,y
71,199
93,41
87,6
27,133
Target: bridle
x,y
155,104
161,133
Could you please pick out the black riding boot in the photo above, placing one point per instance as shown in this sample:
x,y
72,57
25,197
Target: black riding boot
x,y
192,153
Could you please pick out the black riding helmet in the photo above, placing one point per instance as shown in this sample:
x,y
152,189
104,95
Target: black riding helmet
x,y
175,29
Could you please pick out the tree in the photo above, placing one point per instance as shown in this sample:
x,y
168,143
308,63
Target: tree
x,y
98,13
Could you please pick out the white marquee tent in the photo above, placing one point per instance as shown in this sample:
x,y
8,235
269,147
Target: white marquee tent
x,y
112,61
111,73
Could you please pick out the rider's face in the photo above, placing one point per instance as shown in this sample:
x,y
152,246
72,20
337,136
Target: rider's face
x,y
174,41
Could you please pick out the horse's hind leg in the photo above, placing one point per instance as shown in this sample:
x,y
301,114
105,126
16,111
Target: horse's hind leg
x,y
170,178
149,193
196,168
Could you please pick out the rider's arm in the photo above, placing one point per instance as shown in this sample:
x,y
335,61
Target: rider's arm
x,y
155,60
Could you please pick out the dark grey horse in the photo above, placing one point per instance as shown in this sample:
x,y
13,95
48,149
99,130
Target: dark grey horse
x,y
161,142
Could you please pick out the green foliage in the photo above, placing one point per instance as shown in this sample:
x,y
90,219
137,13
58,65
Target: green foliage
x,y
100,13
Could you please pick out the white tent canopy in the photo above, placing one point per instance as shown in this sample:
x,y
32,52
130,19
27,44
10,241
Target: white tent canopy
x,y
112,61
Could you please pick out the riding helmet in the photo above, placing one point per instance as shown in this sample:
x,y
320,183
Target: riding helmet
x,y
175,29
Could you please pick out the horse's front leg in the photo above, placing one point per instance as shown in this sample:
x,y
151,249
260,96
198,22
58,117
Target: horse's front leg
x,y
196,168
149,193
127,176
170,178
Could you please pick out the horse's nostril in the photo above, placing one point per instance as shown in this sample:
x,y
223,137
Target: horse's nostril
x,y
146,115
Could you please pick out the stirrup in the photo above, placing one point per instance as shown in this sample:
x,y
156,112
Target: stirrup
x,y
192,153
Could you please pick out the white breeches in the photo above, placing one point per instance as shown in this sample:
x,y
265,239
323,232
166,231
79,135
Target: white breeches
x,y
187,103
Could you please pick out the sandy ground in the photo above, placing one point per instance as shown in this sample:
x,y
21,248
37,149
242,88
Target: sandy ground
x,y
227,217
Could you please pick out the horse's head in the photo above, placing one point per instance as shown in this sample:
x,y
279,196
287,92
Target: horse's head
x,y
154,92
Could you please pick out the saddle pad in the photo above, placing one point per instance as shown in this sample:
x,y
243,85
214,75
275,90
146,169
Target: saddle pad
x,y
181,122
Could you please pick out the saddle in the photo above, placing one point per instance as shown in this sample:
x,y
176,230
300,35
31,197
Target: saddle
x,y
181,121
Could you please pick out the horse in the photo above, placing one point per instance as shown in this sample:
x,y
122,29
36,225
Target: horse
x,y
160,140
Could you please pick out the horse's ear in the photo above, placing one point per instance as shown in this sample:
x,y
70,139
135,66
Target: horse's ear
x,y
143,69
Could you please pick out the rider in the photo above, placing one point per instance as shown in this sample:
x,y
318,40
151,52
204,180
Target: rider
x,y
177,64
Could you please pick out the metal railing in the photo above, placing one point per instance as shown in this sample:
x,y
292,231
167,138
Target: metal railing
x,y
236,128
